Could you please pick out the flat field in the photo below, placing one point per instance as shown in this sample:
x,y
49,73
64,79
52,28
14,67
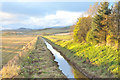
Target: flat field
x,y
12,45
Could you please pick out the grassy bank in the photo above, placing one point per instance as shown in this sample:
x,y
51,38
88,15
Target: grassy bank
x,y
39,63
97,61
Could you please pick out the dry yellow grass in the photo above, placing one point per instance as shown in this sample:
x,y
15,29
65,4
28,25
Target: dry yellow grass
x,y
12,45
12,68
10,71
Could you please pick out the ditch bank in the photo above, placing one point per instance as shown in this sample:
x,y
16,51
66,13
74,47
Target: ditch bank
x,y
39,63
68,55
66,68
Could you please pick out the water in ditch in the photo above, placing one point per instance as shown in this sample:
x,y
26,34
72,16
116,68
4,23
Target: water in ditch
x,y
64,66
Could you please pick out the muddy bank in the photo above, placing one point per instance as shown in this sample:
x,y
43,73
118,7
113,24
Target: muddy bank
x,y
40,63
68,55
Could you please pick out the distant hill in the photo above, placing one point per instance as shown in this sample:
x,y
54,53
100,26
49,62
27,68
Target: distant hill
x,y
20,29
53,30
24,29
61,27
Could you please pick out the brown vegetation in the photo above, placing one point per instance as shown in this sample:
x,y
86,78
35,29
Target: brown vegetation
x,y
12,68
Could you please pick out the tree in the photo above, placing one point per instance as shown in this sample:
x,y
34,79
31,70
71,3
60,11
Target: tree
x,y
81,28
71,30
100,22
116,21
93,9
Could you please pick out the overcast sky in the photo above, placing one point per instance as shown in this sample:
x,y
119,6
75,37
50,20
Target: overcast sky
x,y
38,15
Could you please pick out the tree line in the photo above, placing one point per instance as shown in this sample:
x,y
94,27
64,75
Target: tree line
x,y
101,26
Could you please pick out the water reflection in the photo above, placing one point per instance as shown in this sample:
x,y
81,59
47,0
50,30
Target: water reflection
x,y
64,66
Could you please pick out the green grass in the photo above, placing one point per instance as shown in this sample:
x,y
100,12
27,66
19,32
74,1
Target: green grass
x,y
104,58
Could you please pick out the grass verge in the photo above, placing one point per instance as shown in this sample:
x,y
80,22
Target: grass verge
x,y
97,61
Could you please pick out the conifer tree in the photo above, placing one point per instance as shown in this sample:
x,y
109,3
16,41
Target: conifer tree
x,y
100,24
116,21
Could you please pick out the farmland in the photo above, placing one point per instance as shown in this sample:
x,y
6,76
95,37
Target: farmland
x,y
13,40
16,43
32,63
12,45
